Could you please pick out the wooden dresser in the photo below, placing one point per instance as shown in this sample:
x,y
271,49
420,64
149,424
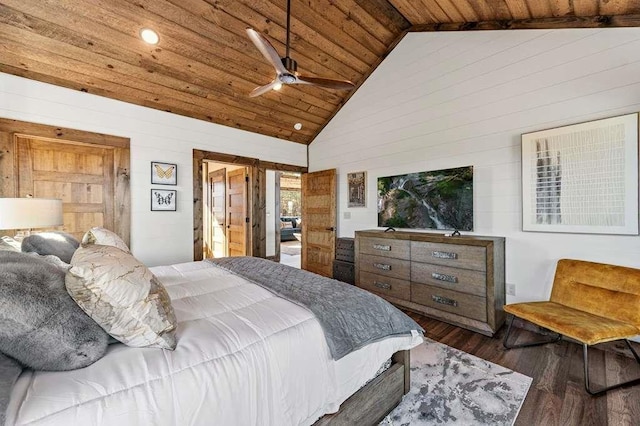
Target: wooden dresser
x,y
459,280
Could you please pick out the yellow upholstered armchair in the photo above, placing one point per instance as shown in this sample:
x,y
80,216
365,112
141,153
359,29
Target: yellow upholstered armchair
x,y
591,303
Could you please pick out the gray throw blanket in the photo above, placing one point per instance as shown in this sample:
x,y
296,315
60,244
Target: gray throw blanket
x,y
350,317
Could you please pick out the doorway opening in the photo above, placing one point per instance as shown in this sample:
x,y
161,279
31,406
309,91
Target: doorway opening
x,y
290,218
255,202
226,217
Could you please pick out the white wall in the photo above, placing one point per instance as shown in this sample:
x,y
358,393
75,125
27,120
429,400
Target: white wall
x,y
443,100
156,237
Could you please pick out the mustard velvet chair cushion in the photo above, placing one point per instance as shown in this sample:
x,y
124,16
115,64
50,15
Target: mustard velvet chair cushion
x,y
590,302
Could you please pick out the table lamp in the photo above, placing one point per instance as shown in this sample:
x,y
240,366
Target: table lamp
x,y
24,214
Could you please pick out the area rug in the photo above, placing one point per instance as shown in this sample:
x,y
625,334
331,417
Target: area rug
x,y
451,387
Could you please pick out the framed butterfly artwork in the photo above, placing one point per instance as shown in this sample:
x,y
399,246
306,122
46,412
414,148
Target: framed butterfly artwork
x,y
163,200
164,173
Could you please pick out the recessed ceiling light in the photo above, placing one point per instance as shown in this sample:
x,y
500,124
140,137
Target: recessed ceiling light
x,y
149,36
297,126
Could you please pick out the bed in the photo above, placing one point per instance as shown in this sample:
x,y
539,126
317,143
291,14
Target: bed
x,y
244,357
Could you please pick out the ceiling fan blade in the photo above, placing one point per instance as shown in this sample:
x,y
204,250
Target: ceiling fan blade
x,y
263,89
327,83
267,50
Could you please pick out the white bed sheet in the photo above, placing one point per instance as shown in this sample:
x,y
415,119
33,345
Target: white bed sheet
x,y
244,357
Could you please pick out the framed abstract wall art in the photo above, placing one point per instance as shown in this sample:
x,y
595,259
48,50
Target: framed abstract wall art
x,y
582,178
163,173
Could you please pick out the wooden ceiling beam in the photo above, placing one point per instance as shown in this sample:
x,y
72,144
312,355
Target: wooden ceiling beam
x,y
387,14
369,23
412,13
537,23
438,13
540,8
586,7
342,21
518,8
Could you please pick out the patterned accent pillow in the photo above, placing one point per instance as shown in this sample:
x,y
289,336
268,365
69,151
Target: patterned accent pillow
x,y
103,237
123,296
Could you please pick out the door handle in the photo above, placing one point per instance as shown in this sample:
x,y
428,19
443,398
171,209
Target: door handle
x,y
330,229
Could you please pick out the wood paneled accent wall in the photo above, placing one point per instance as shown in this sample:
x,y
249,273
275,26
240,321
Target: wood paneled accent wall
x,y
257,197
88,171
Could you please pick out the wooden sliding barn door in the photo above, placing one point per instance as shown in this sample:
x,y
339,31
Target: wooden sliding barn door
x,y
319,221
81,175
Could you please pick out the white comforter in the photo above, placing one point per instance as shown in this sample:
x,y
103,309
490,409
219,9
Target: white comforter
x,y
244,357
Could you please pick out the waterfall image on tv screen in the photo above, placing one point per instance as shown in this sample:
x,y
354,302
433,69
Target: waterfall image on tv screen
x,y
441,199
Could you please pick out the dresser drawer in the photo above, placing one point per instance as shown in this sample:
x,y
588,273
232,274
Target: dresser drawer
x,y
463,304
462,280
454,255
385,266
387,247
385,285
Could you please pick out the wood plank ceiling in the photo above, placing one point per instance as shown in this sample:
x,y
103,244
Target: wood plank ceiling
x,y
205,65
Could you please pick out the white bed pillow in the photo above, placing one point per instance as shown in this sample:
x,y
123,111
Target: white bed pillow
x,y
123,296
104,237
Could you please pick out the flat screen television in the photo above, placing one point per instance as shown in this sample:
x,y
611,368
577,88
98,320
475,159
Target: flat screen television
x,y
440,199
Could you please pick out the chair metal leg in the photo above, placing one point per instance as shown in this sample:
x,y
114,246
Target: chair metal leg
x,y
507,345
594,392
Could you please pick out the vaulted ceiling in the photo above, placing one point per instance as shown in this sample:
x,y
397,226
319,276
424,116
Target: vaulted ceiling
x,y
205,65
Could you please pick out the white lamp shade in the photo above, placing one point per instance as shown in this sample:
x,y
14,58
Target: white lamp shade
x,y
26,213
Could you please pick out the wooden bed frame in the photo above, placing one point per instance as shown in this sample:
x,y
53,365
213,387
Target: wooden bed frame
x,y
374,401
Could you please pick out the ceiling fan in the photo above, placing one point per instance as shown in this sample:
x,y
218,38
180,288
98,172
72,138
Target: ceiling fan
x,y
286,67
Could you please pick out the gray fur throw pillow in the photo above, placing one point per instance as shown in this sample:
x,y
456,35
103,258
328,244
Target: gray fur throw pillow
x,y
56,243
40,325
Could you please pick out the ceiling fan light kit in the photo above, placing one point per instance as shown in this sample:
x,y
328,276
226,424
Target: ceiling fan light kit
x,y
287,68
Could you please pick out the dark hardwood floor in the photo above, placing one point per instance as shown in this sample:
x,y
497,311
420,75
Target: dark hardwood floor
x,y
557,395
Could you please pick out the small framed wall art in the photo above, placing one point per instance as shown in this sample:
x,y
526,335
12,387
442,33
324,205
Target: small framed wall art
x,y
163,200
164,173
356,187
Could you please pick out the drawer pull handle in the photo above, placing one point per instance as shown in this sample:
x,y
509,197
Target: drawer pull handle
x,y
381,247
382,285
444,277
382,266
444,301
444,255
